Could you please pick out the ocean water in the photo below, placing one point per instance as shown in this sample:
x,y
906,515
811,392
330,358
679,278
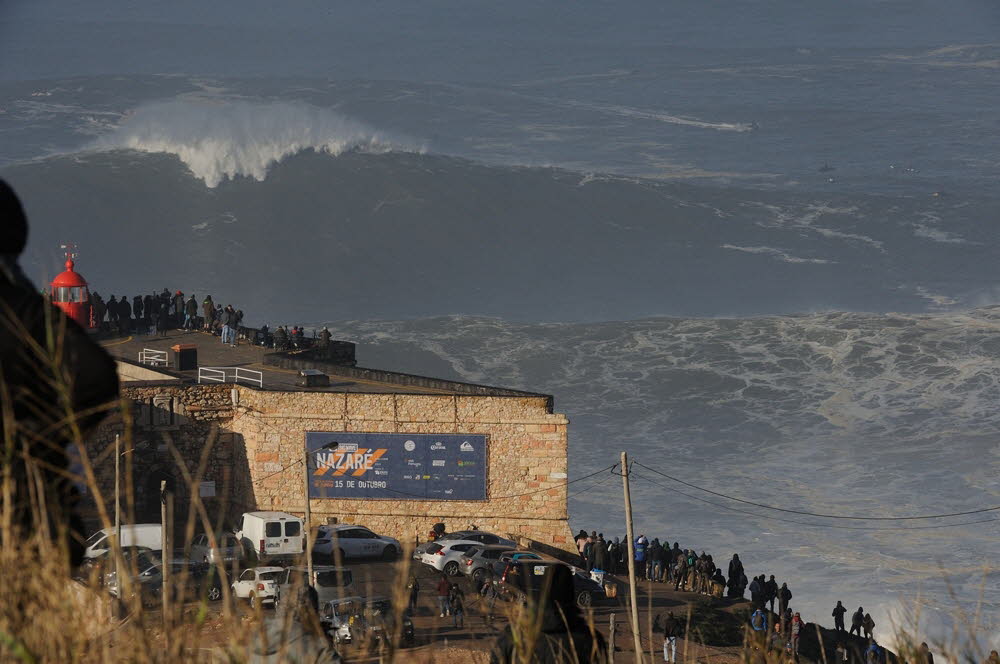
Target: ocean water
x,y
752,243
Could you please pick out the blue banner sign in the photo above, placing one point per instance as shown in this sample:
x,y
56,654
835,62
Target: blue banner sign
x,y
400,466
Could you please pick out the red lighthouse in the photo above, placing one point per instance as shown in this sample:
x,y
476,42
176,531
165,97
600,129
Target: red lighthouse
x,y
70,292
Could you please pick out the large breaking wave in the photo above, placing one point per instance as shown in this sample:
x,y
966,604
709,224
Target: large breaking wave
x,y
219,139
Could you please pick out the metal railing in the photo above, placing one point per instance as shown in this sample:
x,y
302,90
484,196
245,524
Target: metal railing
x,y
230,375
153,357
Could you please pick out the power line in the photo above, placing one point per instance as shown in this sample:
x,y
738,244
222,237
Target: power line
x,y
824,516
806,523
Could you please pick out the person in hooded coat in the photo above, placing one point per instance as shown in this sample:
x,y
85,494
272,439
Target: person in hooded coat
x,y
554,631
137,311
190,313
735,572
600,553
615,556
857,620
208,312
57,386
125,315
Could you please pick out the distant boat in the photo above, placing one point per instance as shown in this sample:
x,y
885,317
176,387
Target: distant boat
x,y
826,168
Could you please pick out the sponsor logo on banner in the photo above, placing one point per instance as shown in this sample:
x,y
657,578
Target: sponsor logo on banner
x,y
438,446
409,446
437,462
466,463
467,447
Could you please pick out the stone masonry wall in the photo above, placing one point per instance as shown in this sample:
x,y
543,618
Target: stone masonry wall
x,y
527,458
257,442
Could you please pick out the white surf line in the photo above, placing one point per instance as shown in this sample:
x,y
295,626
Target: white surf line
x,y
627,111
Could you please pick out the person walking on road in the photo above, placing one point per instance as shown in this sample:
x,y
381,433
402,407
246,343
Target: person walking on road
x,y
456,602
443,594
671,630
838,616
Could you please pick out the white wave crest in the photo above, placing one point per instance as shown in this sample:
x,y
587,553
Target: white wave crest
x,y
220,139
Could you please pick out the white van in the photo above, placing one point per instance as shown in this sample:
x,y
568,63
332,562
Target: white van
x,y
271,535
139,535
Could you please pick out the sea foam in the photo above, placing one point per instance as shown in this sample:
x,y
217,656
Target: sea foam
x,y
220,139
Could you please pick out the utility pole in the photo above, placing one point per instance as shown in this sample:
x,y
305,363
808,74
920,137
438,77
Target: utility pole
x,y
308,511
631,561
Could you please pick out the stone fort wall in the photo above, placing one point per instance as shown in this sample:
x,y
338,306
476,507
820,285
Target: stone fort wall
x,y
242,438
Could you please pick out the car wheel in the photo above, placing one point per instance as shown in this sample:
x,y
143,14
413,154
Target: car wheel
x,y
214,594
389,553
451,569
478,575
253,601
584,599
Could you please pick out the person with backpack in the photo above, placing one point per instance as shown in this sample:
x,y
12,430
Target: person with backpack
x,y
680,576
671,630
838,616
758,623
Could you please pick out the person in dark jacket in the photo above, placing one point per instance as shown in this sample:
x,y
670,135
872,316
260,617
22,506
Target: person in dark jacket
x,y
838,616
857,619
735,572
208,312
554,631
924,654
125,315
770,590
784,597
163,321
137,311
680,576
756,592
600,553
615,556
57,386
190,313
671,630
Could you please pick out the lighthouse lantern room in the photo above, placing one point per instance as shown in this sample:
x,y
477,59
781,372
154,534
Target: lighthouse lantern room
x,y
70,292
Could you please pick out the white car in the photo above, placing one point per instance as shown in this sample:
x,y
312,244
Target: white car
x,y
257,584
354,542
446,556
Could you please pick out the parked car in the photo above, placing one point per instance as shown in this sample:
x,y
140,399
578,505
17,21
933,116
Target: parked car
x,y
478,536
520,581
446,556
258,585
188,581
477,561
354,542
500,566
271,536
330,583
139,535
336,618
227,549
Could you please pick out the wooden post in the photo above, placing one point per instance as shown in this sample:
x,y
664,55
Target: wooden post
x,y
631,561
611,641
164,553
307,539
118,519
